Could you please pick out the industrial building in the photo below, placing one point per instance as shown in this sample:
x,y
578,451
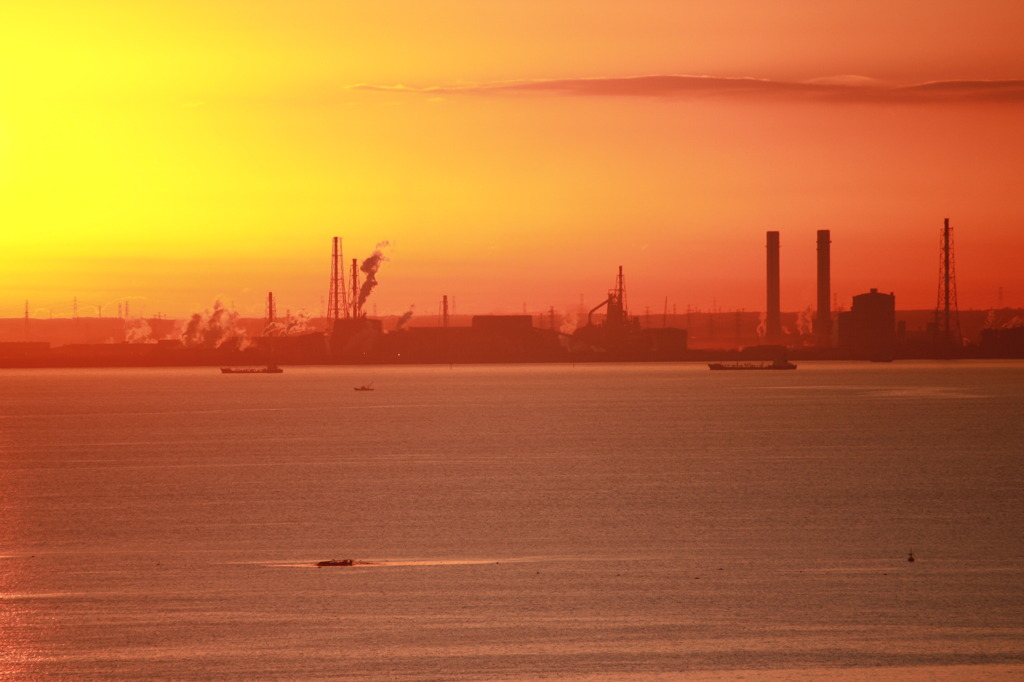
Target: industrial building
x,y
619,335
868,330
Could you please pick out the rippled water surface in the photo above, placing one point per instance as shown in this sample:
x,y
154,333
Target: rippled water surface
x,y
518,522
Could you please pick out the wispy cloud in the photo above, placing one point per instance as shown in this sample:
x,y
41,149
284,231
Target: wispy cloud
x,y
840,89
1011,91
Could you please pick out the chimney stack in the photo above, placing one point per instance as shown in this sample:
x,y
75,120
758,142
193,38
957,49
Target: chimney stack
x,y
773,321
823,322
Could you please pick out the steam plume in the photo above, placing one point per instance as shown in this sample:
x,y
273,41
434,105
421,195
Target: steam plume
x,y
804,321
218,329
762,325
1003,319
138,331
299,324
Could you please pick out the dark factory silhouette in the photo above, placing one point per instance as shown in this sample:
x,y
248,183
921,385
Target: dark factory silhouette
x,y
872,329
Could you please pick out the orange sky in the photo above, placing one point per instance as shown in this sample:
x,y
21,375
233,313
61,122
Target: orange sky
x,y
513,154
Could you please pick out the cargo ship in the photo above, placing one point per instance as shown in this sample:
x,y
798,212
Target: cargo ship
x,y
780,363
269,369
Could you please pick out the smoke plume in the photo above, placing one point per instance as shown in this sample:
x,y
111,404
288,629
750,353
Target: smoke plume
x,y
218,329
404,319
370,267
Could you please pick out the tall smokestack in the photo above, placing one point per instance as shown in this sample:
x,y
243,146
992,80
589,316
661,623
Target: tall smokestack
x,y
823,322
773,320
356,303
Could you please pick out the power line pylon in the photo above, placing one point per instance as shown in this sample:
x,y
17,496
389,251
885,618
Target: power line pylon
x,y
337,299
947,316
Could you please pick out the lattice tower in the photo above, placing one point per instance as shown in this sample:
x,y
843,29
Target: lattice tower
x,y
947,315
337,299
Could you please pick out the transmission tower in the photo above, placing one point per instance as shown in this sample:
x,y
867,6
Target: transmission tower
x,y
337,299
947,316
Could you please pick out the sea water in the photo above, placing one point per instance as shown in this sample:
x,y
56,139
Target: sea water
x,y
600,521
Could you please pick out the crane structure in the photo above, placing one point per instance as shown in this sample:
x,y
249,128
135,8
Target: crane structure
x,y
616,315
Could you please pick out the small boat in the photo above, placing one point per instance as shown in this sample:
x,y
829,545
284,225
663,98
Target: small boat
x,y
336,562
365,387
779,363
269,369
